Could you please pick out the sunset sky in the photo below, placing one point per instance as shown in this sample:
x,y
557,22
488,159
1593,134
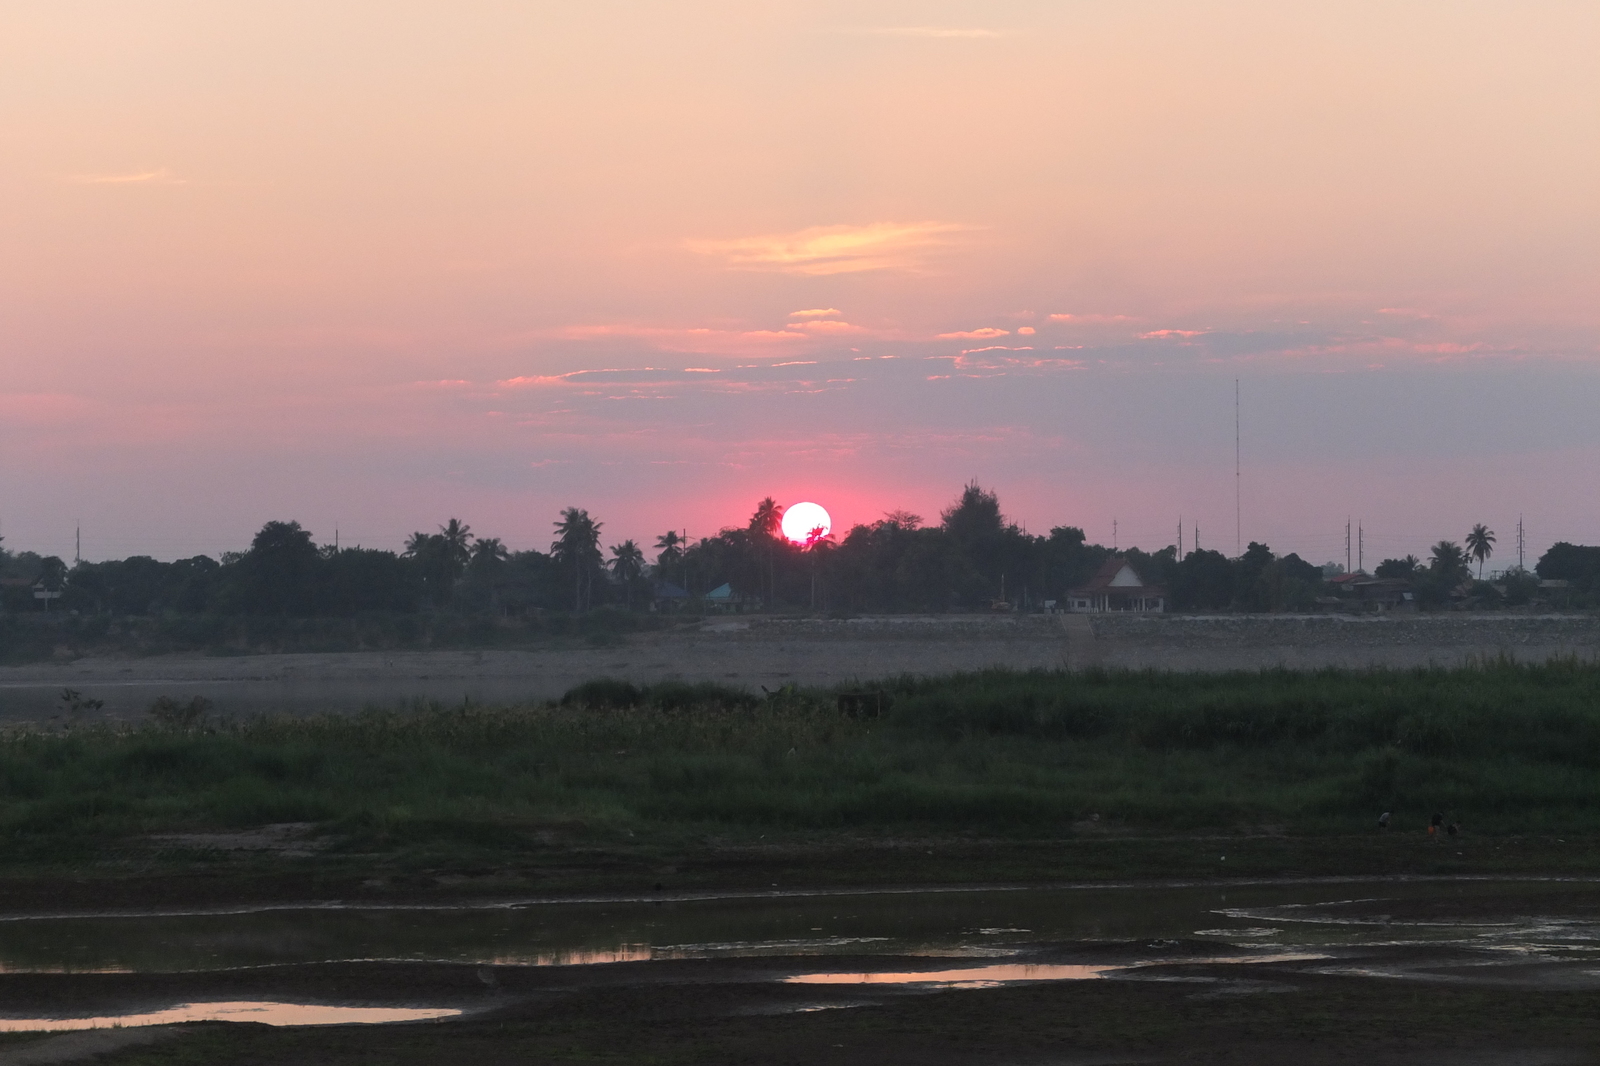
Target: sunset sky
x,y
373,265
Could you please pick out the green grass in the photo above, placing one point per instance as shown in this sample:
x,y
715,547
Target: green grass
x,y
1503,748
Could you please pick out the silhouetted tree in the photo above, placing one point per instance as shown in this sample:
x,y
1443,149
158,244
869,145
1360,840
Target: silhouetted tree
x,y
1480,545
627,566
766,528
669,548
278,575
577,547
1406,568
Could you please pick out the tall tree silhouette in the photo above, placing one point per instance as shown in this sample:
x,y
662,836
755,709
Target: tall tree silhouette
x,y
1449,563
766,527
669,548
457,536
577,546
627,566
1480,545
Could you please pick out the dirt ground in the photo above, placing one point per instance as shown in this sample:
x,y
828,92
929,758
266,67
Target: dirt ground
x,y
756,652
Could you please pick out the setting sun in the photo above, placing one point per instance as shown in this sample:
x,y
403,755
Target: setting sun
x,y
806,523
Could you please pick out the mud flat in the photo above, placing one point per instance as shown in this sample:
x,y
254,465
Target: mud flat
x,y
755,652
746,653
1260,642
1383,972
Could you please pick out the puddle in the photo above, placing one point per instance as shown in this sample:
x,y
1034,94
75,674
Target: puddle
x,y
264,1013
1060,933
965,977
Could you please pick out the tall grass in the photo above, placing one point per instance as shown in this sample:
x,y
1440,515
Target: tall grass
x,y
1501,748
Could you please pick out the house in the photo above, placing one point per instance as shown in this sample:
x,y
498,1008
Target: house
x,y
1388,593
724,598
1117,586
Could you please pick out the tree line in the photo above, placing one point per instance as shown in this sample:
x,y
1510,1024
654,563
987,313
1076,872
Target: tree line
x,y
972,558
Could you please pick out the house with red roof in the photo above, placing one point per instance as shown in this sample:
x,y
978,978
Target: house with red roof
x,y
1117,586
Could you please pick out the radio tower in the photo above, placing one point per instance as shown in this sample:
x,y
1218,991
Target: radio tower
x,y
1238,510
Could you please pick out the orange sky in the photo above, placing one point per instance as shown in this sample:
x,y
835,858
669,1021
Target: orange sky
x,y
362,264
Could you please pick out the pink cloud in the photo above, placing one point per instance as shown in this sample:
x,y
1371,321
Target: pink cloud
x,y
1090,318
824,250
986,333
827,326
816,312
687,339
1168,334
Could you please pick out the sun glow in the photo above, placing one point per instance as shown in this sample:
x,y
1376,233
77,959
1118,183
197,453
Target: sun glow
x,y
806,523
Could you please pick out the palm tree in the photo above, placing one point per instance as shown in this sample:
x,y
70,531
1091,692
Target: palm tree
x,y
1449,562
457,537
1480,545
577,545
488,556
431,554
766,525
670,548
487,551
627,566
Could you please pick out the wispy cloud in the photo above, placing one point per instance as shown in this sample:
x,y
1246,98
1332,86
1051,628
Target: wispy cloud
x,y
940,32
691,339
828,326
822,250
142,177
986,333
1090,318
1169,334
816,312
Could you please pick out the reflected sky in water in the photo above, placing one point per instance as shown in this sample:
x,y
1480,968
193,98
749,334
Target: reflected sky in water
x,y
261,1012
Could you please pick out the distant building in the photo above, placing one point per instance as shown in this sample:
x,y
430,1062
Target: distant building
x,y
1117,586
725,598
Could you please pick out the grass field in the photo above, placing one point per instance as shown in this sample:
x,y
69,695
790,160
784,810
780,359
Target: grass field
x,y
1503,749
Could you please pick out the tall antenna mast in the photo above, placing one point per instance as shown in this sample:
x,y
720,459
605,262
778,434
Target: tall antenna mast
x,y
1238,510
1519,542
1180,538
77,544
1361,549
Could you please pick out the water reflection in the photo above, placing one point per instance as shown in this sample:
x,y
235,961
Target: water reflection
x,y
980,925
965,977
265,1013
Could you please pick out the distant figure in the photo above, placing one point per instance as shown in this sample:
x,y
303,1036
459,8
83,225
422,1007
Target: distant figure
x,y
1433,826
1383,820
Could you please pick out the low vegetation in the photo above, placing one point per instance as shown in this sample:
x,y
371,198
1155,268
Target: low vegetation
x,y
1500,749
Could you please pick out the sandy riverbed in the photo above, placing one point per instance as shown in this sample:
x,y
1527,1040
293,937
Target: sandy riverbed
x,y
755,653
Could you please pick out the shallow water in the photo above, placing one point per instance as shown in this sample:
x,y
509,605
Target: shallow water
x,y
1496,917
1530,933
260,1012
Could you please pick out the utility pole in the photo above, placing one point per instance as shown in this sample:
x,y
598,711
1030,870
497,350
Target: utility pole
x,y
1180,538
1361,549
1519,542
1197,536
1347,545
1113,534
1238,507
77,544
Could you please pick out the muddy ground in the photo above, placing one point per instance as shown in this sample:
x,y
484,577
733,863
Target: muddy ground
x,y
756,653
735,1012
